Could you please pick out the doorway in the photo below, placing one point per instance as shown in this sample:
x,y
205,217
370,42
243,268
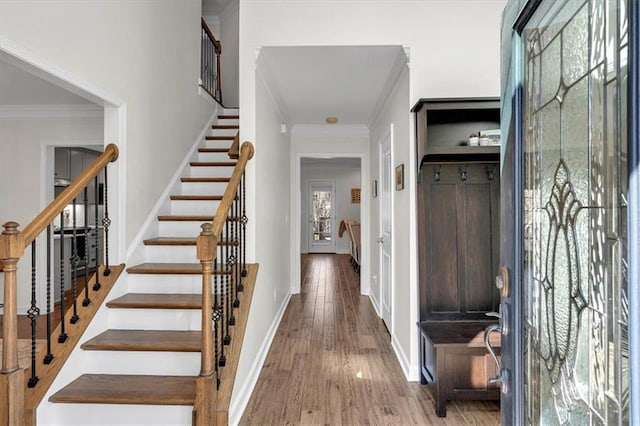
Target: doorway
x,y
322,217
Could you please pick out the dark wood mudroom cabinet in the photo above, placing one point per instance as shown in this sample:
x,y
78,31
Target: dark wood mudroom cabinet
x,y
458,245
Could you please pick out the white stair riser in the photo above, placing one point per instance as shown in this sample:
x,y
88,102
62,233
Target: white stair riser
x,y
113,414
164,283
154,319
194,208
223,132
180,229
173,254
203,188
129,362
226,143
228,121
206,171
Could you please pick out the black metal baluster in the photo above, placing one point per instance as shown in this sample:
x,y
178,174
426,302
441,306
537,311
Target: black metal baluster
x,y
244,221
86,300
225,265
96,230
216,318
63,335
236,247
49,356
74,267
33,314
219,297
106,222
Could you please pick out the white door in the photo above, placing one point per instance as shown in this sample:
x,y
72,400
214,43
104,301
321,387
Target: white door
x,y
385,243
322,196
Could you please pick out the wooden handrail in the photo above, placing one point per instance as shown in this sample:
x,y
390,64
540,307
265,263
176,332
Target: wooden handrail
x,y
37,225
246,154
213,38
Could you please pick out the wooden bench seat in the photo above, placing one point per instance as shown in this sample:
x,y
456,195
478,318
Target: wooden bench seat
x,y
455,362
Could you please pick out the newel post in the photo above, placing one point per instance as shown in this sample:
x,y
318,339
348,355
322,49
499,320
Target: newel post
x,y
206,245
11,375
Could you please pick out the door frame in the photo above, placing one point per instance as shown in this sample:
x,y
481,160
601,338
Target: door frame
x,y
326,184
388,135
296,213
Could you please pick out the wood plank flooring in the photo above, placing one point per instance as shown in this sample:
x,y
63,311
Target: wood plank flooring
x,y
331,362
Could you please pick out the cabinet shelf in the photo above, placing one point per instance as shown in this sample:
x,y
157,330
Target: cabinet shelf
x,y
461,154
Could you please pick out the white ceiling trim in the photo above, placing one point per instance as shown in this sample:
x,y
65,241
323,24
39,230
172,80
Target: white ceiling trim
x,y
51,111
400,65
355,130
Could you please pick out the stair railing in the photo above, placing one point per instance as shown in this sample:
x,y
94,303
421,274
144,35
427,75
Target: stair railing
x,y
221,249
14,408
210,51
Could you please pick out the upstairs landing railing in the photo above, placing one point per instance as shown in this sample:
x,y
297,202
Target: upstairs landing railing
x,y
210,52
15,407
221,247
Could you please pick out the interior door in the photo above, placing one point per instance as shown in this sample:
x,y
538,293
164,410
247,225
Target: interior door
x,y
322,196
385,242
565,313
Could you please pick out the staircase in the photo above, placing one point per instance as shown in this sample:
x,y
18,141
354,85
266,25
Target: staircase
x,y
150,355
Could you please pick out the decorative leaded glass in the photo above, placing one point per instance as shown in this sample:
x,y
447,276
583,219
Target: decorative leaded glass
x,y
575,183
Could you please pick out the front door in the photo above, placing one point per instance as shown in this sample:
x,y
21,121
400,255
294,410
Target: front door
x,y
565,311
322,196
385,242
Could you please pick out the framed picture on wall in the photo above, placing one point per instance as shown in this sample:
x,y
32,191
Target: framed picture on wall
x,y
400,177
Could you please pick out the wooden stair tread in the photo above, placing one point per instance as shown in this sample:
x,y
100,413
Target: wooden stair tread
x,y
182,241
157,301
205,179
196,197
225,126
229,117
223,150
219,138
178,218
171,268
213,163
145,340
128,389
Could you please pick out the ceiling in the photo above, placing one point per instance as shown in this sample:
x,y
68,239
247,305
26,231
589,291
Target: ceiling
x,y
310,84
215,7
18,87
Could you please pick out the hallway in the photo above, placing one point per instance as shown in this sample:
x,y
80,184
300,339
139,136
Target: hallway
x,y
331,362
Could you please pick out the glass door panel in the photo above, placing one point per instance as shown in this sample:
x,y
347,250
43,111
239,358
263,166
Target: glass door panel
x,y
322,217
576,356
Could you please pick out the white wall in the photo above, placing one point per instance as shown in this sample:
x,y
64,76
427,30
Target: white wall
x,y
345,178
26,179
229,37
272,245
145,53
404,309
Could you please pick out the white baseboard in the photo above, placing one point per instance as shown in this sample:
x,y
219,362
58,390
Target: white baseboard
x,y
375,303
410,372
140,236
239,403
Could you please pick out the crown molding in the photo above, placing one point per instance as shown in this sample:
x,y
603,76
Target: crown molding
x,y
351,130
51,111
400,65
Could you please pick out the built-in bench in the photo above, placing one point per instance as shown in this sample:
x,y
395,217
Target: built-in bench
x,y
455,362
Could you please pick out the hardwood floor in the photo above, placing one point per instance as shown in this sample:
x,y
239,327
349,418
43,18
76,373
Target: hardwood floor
x,y
331,362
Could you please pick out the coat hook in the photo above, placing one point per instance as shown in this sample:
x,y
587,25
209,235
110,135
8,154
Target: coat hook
x,y
437,174
463,173
491,172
